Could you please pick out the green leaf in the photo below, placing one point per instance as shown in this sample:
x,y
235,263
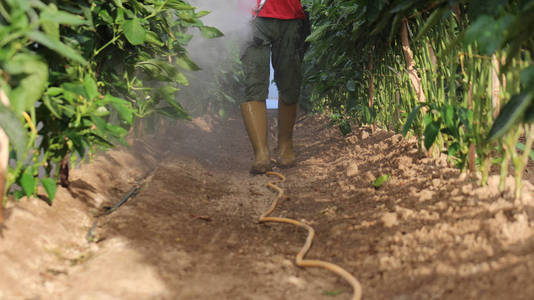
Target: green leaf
x,y
317,33
30,87
210,32
116,131
529,114
409,121
27,182
62,17
56,46
49,25
105,16
50,187
52,106
54,91
522,147
168,93
344,127
101,140
178,5
119,19
107,129
432,20
123,107
380,181
447,115
488,33
118,3
134,31
431,133
90,87
527,77
511,114
186,63
153,38
202,13
163,68
485,7
187,16
78,142
15,131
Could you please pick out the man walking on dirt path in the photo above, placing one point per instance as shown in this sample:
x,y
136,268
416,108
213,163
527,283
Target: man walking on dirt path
x,y
277,30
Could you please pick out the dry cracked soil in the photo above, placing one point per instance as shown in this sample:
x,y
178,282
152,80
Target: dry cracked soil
x,y
191,231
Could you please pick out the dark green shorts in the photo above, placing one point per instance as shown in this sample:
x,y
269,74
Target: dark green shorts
x,y
283,39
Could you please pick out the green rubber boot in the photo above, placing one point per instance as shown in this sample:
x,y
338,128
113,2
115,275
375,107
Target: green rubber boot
x,y
287,114
255,118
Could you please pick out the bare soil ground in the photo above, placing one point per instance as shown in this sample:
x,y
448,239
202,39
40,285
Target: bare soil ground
x,y
191,230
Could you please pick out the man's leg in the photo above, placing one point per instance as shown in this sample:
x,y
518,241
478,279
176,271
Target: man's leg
x,y
287,61
255,118
256,59
287,113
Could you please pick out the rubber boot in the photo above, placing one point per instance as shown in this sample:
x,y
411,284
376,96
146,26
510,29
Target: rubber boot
x,y
287,113
255,118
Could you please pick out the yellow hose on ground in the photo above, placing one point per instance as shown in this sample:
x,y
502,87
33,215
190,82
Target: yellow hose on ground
x,y
300,261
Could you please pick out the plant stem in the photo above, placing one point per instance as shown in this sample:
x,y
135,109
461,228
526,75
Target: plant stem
x,y
113,40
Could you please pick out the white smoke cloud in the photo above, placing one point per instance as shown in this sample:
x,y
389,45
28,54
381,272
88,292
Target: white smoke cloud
x,y
232,17
215,56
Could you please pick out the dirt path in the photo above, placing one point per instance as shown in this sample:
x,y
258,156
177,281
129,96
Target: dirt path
x,y
191,231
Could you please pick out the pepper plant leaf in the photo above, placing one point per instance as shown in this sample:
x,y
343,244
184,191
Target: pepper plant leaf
x,y
14,129
134,31
210,32
431,133
50,187
511,114
409,121
56,46
27,182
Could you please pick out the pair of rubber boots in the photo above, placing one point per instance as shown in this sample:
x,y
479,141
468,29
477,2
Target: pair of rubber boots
x,y
255,118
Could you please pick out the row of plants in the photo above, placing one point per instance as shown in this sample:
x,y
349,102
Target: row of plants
x,y
79,75
456,74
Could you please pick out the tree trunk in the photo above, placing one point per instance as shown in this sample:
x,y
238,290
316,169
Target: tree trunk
x,y
410,63
495,86
4,158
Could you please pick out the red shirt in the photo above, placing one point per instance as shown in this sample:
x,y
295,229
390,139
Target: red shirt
x,y
281,9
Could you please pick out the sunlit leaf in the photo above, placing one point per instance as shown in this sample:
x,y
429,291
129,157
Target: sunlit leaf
x,y
90,87
62,17
134,31
50,187
123,107
56,46
34,73
210,32
27,182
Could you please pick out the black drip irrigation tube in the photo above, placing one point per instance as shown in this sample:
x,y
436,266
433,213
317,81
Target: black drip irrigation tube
x,y
90,237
